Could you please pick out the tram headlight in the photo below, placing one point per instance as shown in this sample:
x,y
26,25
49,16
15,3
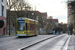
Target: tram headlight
x,y
17,32
23,32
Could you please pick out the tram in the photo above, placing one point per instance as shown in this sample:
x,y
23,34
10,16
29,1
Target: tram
x,y
26,27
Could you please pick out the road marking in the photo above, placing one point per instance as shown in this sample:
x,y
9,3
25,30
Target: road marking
x,y
66,45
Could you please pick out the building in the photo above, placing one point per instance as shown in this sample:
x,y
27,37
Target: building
x,y
55,21
3,16
50,17
3,8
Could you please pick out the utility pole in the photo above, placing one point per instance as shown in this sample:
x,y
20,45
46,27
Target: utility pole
x,y
25,11
9,17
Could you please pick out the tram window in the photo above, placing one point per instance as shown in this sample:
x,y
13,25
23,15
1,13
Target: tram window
x,y
31,26
21,25
26,26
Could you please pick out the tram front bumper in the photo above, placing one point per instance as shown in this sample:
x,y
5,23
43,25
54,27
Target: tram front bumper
x,y
21,34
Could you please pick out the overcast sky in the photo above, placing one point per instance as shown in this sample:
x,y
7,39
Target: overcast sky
x,y
55,8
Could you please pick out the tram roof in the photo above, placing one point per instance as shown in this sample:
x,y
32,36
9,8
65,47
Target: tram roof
x,y
36,20
23,18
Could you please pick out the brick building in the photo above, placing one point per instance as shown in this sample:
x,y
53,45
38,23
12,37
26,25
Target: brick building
x,y
3,16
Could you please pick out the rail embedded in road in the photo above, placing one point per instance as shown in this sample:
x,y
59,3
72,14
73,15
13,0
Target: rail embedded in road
x,y
56,42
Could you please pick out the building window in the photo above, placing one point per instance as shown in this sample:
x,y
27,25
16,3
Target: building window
x,y
2,0
2,10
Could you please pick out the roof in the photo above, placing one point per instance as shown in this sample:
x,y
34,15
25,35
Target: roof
x,y
37,13
56,20
44,14
23,12
51,20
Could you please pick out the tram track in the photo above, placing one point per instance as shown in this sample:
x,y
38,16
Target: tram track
x,y
35,43
62,46
15,43
65,46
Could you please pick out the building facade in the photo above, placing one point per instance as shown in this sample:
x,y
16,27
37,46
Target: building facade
x,y
3,16
3,8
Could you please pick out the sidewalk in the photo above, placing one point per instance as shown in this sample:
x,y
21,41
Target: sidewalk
x,y
7,34
71,45
3,36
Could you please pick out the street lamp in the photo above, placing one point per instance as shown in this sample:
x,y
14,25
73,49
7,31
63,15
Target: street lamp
x,y
37,17
32,13
26,12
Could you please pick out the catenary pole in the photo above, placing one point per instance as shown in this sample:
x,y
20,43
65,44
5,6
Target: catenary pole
x,y
9,17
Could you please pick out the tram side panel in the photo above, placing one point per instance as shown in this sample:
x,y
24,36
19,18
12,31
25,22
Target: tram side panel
x,y
31,27
27,27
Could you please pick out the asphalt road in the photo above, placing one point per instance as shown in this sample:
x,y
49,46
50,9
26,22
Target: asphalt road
x,y
10,43
56,43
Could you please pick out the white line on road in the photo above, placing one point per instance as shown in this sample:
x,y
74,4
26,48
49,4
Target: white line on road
x,y
66,45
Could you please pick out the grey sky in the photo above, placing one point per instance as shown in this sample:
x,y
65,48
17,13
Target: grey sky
x,y
55,8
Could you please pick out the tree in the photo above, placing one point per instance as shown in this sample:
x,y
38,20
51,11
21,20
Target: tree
x,y
71,28
17,6
58,29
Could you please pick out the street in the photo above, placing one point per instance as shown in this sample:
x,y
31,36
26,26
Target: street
x,y
37,25
40,42
56,43
13,43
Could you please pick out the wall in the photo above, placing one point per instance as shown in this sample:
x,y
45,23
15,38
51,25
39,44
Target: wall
x,y
4,27
4,4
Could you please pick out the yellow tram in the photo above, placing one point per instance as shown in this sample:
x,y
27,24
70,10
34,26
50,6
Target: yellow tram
x,y
26,27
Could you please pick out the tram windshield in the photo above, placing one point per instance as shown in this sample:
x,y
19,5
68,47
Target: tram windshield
x,y
21,25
